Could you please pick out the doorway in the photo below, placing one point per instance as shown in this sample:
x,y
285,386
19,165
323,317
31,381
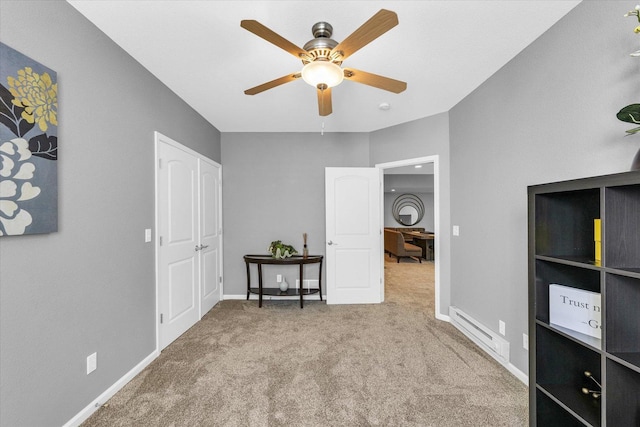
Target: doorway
x,y
434,161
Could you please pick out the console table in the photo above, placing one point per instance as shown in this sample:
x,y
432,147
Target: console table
x,y
261,260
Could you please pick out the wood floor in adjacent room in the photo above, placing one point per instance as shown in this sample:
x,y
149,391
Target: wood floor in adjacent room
x,y
390,364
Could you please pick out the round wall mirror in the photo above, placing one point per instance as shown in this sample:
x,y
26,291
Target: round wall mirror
x,y
408,209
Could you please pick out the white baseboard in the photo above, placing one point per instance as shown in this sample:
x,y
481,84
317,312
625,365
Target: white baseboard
x,y
443,317
518,374
230,297
100,400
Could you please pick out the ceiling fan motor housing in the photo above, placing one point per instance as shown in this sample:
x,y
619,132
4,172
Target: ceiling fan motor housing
x,y
322,29
322,44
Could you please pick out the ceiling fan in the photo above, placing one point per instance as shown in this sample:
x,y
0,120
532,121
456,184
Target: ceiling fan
x,y
322,57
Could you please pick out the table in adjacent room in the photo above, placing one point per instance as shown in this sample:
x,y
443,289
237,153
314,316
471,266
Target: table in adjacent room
x,y
425,241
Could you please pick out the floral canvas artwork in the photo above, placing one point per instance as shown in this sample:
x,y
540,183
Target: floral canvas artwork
x,y
28,145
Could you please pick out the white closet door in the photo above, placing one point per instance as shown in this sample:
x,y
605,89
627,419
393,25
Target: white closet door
x,y
211,235
178,258
189,250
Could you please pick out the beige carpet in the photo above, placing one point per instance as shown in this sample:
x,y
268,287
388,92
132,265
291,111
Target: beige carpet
x,y
391,364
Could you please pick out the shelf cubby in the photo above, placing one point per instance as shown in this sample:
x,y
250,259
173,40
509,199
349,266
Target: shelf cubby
x,y
564,224
550,414
555,273
623,395
622,321
622,227
560,371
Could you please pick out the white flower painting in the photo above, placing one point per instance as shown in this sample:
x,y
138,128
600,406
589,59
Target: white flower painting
x,y
28,145
15,186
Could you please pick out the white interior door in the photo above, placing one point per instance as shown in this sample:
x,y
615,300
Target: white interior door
x,y
210,235
178,261
354,235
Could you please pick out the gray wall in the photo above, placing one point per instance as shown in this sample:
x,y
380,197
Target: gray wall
x,y
420,138
90,286
548,115
273,189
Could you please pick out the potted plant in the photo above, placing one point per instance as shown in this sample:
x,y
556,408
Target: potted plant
x,y
277,249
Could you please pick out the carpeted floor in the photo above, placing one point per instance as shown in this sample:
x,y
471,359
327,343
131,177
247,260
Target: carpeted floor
x,y
390,364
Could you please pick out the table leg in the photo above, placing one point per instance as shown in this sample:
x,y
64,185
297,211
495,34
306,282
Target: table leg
x,y
301,284
320,280
248,280
259,285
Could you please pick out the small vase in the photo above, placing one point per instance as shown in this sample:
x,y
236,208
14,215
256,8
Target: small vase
x,y
635,164
284,285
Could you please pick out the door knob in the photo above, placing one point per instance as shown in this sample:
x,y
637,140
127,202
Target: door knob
x,y
331,243
201,247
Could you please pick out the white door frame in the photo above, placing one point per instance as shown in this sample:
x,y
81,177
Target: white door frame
x,y
157,136
436,214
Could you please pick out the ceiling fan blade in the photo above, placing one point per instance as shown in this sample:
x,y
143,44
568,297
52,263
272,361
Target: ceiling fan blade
x,y
324,102
273,83
370,79
261,31
376,26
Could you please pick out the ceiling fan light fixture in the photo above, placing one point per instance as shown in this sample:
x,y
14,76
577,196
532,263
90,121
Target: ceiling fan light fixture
x,y
322,74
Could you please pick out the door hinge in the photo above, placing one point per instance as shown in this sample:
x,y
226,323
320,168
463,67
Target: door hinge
x,y
161,318
160,240
220,279
159,163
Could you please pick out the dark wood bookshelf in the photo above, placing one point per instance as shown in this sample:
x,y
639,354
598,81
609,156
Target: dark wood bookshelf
x,y
562,251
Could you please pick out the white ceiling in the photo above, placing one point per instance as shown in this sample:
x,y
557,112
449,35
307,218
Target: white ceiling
x,y
442,49
423,169
400,184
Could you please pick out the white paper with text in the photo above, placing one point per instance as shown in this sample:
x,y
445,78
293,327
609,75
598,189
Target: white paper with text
x,y
575,309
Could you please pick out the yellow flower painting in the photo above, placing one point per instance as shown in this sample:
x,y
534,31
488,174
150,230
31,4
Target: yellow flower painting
x,y
37,94
28,145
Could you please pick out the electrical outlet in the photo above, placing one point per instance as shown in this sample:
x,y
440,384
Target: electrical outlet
x,y
456,230
147,235
502,327
92,363
525,341
279,278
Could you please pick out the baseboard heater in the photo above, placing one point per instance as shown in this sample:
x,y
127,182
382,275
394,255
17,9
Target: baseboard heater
x,y
494,344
